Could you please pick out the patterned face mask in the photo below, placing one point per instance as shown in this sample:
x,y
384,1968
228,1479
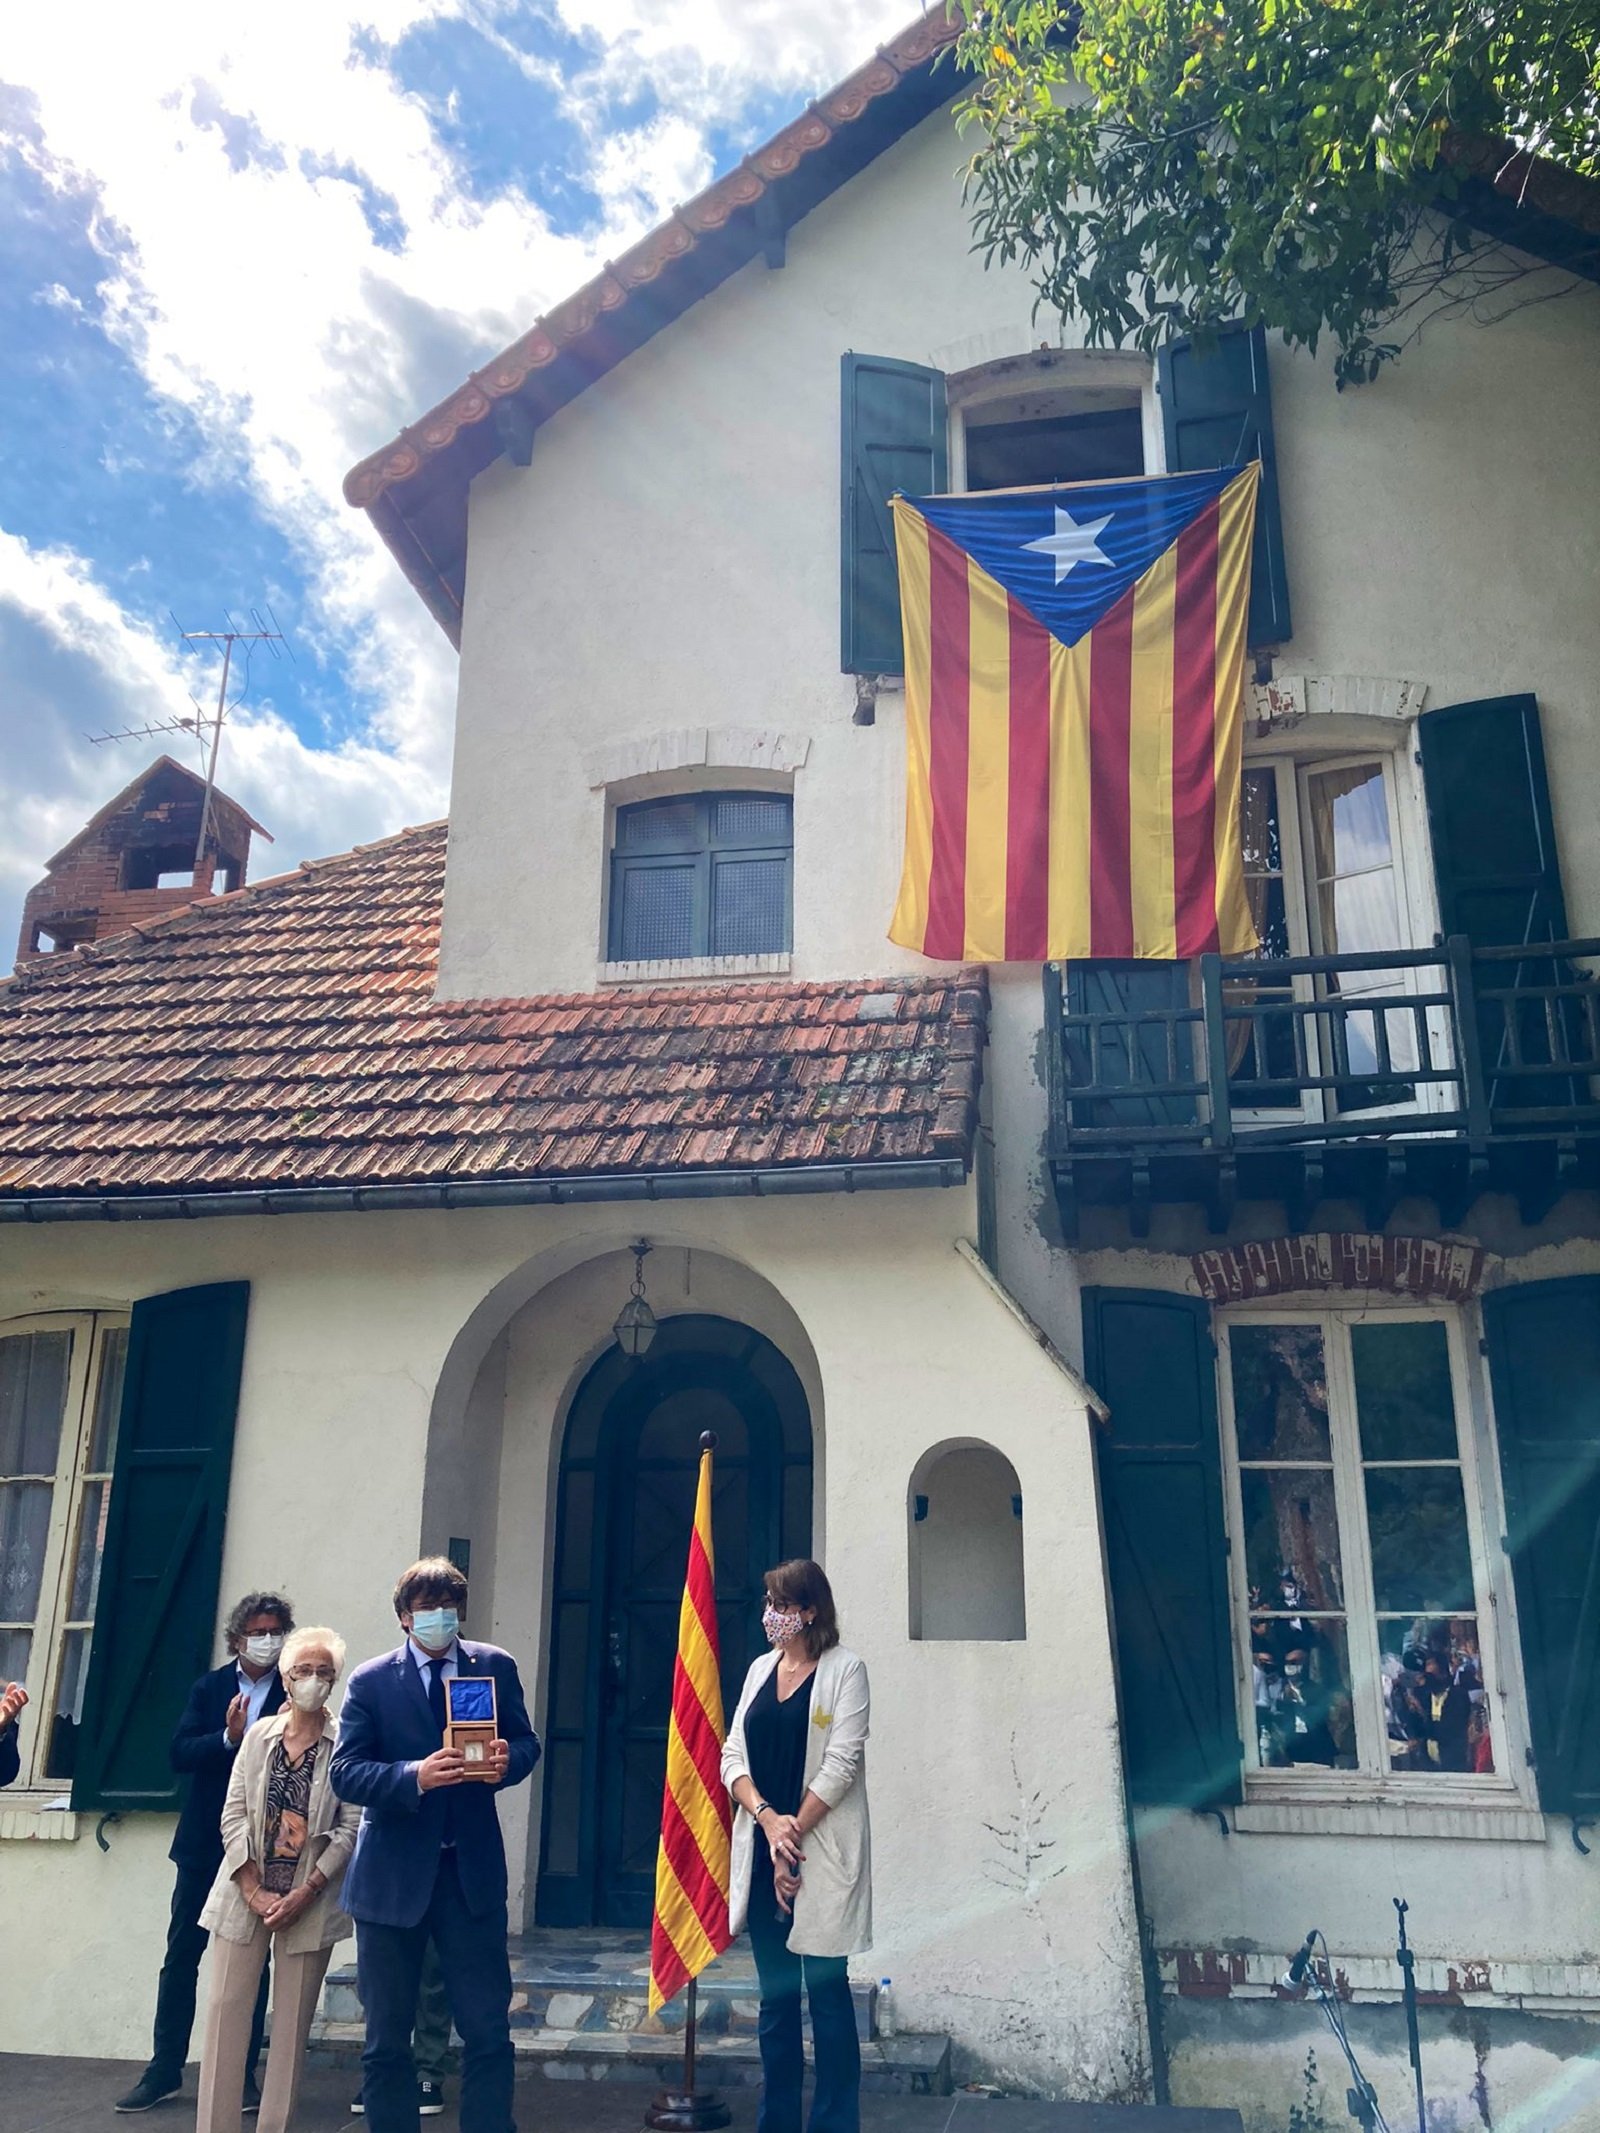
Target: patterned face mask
x,y
782,1624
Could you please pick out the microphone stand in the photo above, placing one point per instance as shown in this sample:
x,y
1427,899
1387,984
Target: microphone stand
x,y
1360,2099
1408,1993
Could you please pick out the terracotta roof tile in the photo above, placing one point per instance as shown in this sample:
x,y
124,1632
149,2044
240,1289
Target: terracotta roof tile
x,y
288,1035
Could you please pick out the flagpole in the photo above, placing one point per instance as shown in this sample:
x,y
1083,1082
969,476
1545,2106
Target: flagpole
x,y
688,2109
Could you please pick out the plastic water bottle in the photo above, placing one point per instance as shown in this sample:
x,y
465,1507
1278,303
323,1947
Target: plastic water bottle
x,y
885,2008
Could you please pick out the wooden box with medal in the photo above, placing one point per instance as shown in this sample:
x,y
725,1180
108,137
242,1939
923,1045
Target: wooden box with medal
x,y
472,1722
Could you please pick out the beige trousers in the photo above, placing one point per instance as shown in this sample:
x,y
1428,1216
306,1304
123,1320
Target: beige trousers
x,y
235,1975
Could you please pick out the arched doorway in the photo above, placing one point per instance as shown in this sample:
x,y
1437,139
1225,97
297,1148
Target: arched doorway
x,y
629,1459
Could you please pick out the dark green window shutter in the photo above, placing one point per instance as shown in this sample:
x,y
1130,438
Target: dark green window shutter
x,y
1494,842
1216,411
1122,1056
1499,881
157,1610
1544,1364
1149,1355
895,436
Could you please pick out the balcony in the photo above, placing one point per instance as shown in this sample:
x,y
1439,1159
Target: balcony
x,y
1444,1072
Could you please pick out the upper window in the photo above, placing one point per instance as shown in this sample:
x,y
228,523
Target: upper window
x,y
1362,1596
702,874
60,1392
1048,419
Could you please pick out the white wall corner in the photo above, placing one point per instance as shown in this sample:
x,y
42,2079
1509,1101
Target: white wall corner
x,y
695,748
1289,699
1035,1332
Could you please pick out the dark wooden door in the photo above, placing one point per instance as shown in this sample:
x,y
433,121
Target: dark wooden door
x,y
629,1468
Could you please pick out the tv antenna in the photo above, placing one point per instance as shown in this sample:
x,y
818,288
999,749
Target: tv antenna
x,y
203,724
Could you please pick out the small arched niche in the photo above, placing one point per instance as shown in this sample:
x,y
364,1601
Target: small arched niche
x,y
966,1546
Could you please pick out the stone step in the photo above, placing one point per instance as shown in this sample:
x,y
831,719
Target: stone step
x,y
598,1983
580,2008
890,2066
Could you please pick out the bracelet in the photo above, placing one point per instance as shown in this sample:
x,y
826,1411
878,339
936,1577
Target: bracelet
x,y
760,1808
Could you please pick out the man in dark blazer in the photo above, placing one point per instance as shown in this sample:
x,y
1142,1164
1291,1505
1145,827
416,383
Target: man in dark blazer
x,y
429,1862
222,1707
12,1698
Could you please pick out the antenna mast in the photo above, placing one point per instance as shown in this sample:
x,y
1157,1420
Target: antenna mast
x,y
198,725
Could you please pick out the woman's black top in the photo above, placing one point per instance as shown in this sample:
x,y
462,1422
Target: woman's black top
x,y
775,1737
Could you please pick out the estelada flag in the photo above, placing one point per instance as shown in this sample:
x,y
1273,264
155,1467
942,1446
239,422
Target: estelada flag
x,y
690,1927
1074,719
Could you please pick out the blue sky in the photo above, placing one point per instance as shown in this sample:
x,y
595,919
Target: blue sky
x,y
235,256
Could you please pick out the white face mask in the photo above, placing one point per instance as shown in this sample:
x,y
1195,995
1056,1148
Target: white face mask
x,y
263,1648
310,1692
435,1628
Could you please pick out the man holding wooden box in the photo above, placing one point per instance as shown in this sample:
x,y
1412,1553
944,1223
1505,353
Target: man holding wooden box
x,y
428,1735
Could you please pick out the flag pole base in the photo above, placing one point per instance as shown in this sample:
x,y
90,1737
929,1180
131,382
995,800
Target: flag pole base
x,y
687,2111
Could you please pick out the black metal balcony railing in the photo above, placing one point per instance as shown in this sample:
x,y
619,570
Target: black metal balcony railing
x,y
1453,1046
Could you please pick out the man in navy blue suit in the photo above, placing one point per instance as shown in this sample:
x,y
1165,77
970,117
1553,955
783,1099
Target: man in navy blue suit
x,y
429,1862
222,1707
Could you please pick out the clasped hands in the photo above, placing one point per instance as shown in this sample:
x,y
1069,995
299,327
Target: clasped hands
x,y
448,1766
784,1837
276,1912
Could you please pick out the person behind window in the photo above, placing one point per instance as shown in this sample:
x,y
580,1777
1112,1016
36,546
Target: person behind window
x,y
222,1706
794,1759
287,1840
12,1698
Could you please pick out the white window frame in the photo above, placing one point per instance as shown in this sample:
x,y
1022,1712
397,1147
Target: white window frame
x,y
1291,760
89,1331
1062,370
1508,1785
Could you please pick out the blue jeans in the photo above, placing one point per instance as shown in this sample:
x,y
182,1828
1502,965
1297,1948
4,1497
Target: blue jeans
x,y
836,2104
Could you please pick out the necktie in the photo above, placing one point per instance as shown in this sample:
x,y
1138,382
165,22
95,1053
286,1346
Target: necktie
x,y
437,1706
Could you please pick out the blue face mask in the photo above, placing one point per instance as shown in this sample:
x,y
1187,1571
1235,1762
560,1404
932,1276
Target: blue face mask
x,y
435,1627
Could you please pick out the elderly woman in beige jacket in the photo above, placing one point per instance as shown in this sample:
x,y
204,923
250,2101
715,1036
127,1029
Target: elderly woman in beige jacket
x,y
795,1763
286,1842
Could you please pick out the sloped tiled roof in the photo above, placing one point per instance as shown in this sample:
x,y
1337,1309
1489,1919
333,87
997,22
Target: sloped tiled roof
x,y
287,1037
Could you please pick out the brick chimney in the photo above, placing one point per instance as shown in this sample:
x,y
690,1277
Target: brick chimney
x,y
135,860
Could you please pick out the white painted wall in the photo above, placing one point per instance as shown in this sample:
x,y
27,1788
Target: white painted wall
x,y
671,559
367,1332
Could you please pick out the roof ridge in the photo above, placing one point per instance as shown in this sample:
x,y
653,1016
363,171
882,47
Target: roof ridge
x,y
24,978
812,127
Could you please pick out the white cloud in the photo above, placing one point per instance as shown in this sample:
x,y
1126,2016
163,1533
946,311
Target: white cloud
x,y
245,283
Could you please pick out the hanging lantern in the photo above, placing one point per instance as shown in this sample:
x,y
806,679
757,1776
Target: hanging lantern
x,y
635,1326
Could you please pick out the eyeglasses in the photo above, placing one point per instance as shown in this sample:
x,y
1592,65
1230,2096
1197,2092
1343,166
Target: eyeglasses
x,y
312,1673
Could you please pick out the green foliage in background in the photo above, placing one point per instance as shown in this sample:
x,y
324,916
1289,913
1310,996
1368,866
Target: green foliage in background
x,y
1162,166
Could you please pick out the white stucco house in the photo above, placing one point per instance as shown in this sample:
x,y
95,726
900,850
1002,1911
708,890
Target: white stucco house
x,y
1190,1377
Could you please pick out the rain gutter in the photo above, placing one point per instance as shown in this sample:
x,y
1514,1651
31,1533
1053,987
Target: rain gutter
x,y
490,1192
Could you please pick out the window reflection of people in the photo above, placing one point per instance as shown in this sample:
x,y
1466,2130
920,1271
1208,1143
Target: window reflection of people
x,y
1303,1709
286,1842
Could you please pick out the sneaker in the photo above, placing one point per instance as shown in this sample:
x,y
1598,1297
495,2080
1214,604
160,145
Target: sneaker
x,y
146,2093
358,2109
251,2103
430,2098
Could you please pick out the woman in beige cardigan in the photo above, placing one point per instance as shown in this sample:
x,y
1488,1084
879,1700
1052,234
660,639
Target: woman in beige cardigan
x,y
795,1763
286,1842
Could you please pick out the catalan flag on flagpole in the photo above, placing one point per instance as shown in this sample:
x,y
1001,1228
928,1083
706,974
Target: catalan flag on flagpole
x,y
1074,719
690,1927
